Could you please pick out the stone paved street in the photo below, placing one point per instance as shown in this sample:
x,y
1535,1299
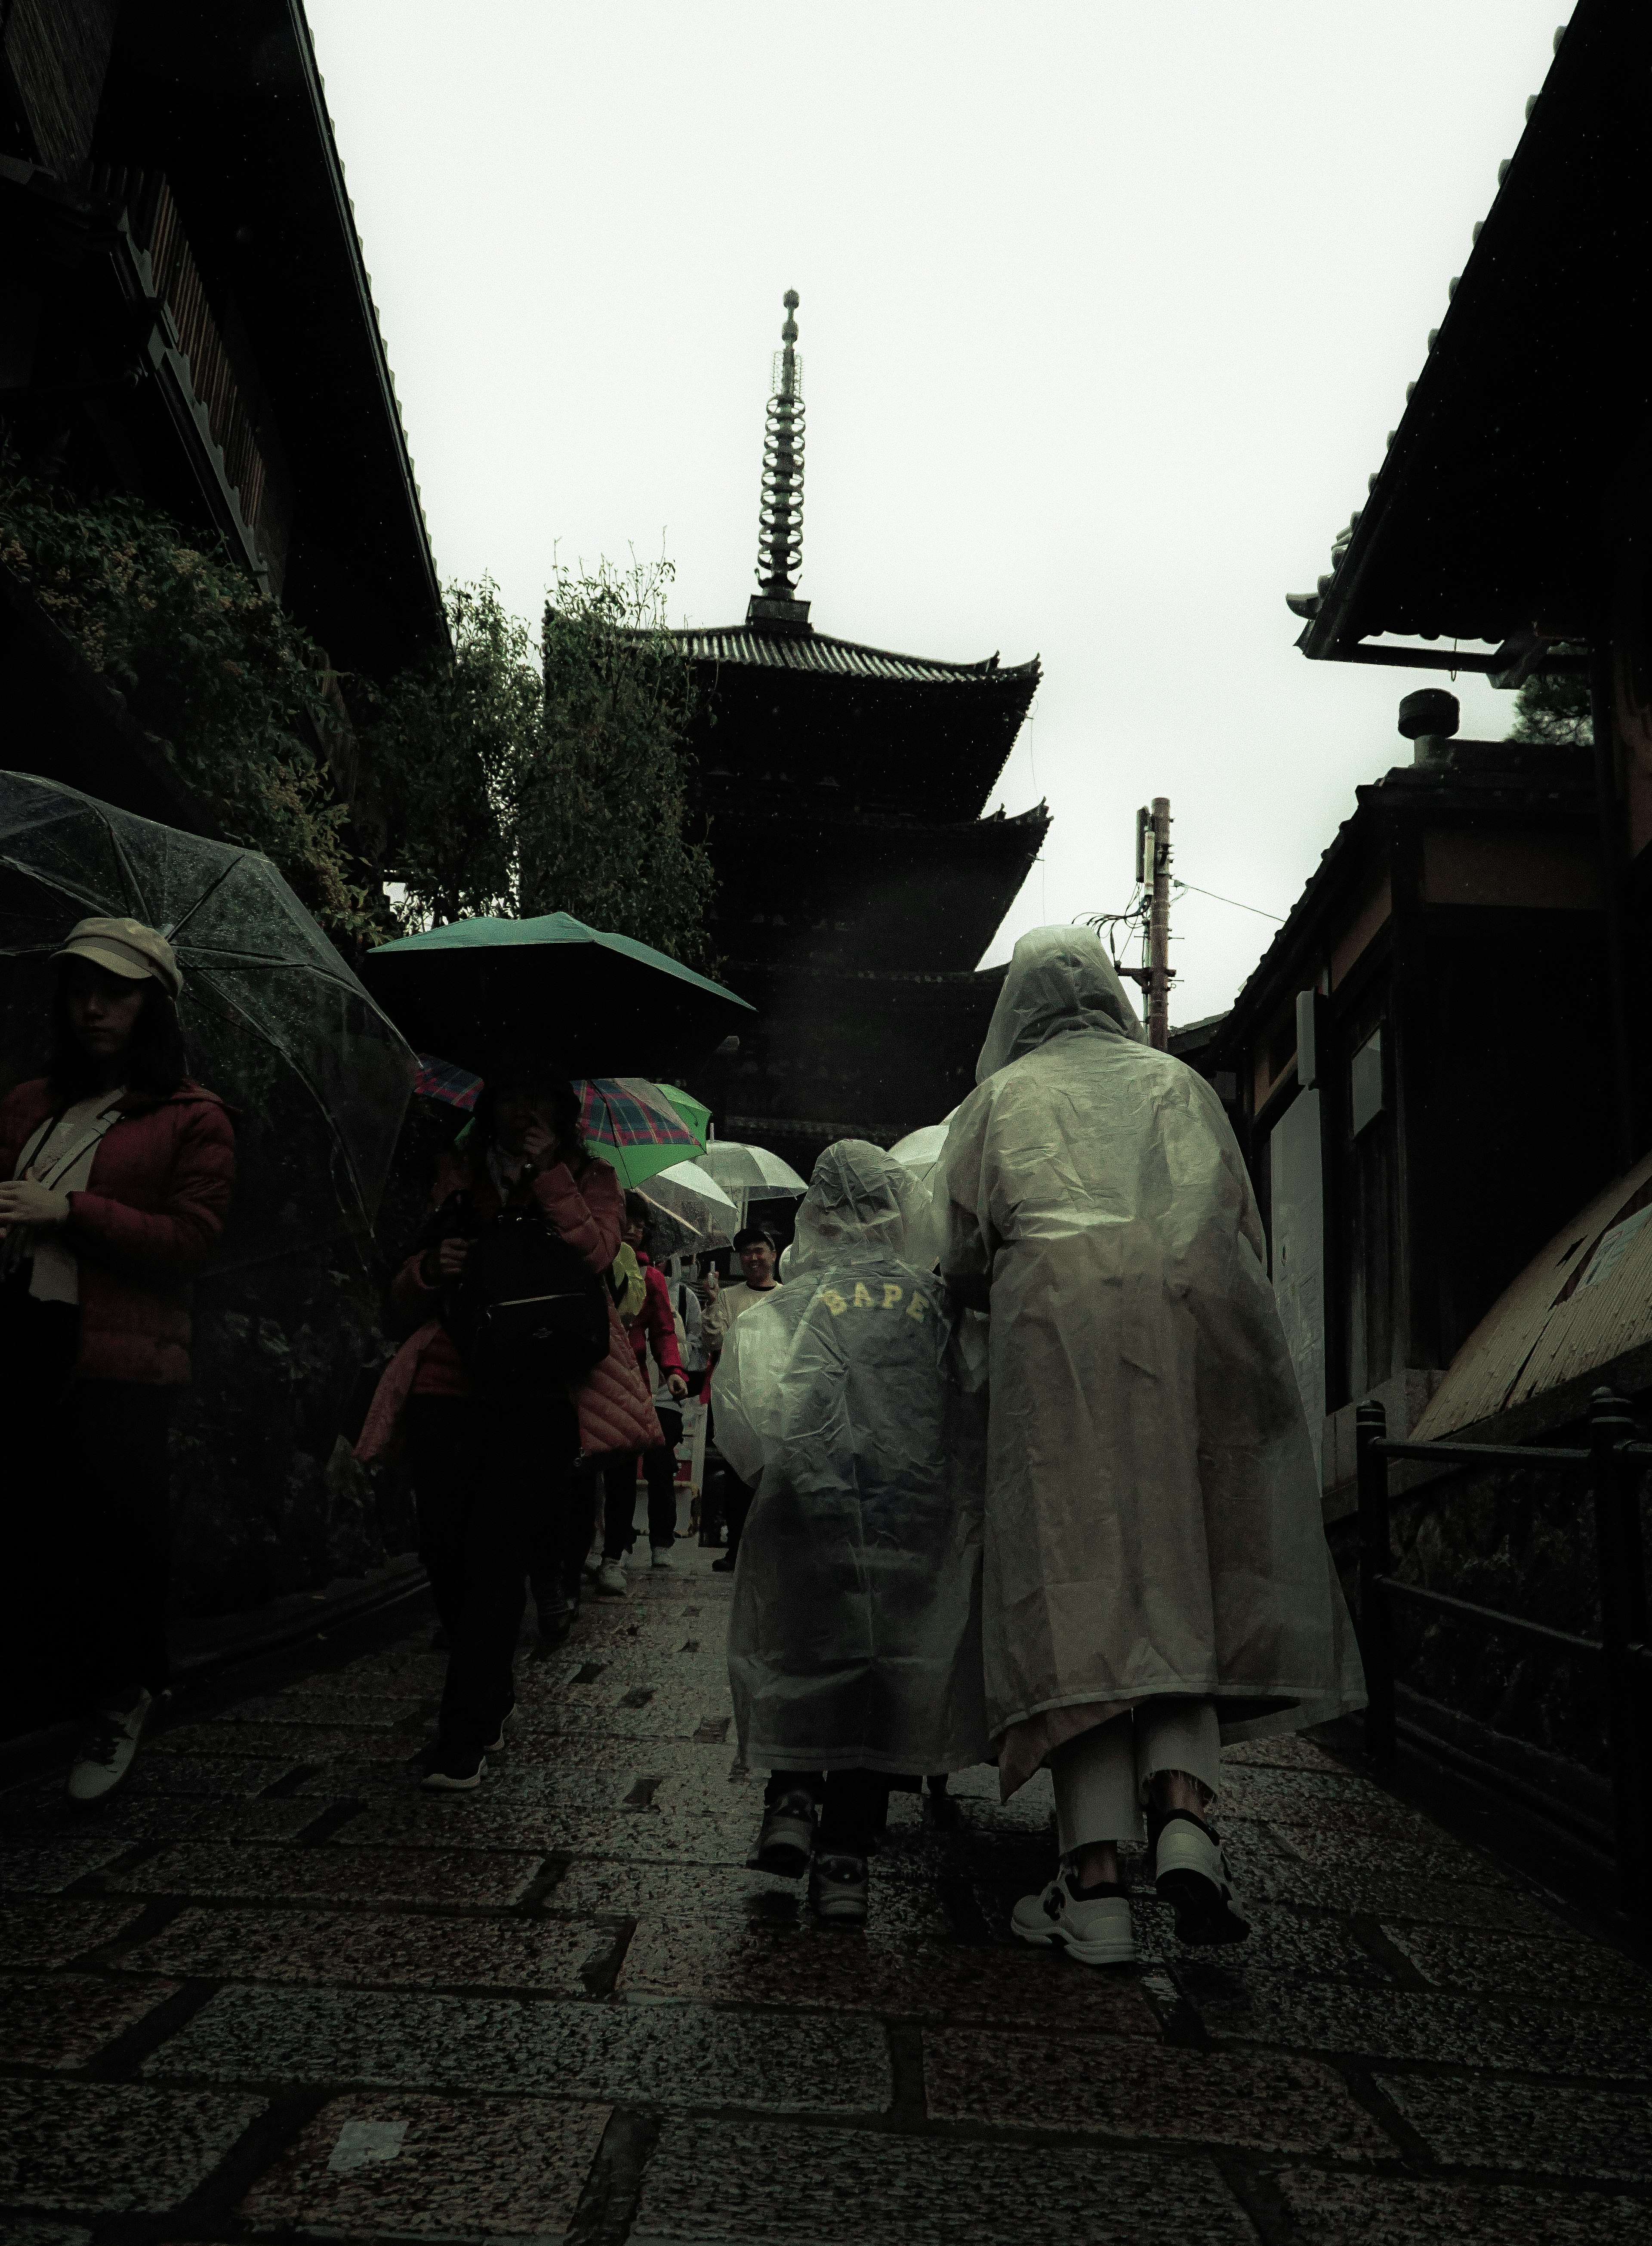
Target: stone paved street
x,y
274,1992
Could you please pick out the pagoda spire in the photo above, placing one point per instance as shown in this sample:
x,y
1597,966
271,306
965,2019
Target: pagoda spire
x,y
780,514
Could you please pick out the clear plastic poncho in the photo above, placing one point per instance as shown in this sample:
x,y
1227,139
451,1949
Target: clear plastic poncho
x,y
1153,1520
855,1641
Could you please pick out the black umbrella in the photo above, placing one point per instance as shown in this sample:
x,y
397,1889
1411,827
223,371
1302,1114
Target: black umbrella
x,y
274,1020
604,1004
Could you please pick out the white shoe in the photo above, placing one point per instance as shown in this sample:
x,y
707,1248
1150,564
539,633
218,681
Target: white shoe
x,y
1096,1929
610,1580
497,1747
105,1754
1191,1875
662,1555
592,1563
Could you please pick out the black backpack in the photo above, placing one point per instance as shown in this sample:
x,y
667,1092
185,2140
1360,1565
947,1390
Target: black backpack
x,y
526,1310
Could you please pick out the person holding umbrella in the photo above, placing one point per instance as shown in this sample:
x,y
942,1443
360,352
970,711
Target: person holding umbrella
x,y
652,1328
755,1249
120,1169
496,1455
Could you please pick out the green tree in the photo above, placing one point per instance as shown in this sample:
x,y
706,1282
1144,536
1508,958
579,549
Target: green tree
x,y
1555,706
238,697
441,744
560,786
600,811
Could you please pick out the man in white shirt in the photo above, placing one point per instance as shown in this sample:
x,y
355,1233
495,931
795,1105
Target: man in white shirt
x,y
756,1251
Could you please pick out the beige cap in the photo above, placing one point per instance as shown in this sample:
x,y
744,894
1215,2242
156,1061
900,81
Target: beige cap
x,y
125,947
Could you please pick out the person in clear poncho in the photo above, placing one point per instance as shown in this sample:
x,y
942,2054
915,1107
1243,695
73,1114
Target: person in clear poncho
x,y
1156,1575
854,1652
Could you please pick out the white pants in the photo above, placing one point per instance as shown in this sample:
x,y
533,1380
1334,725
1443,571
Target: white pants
x,y
1102,1776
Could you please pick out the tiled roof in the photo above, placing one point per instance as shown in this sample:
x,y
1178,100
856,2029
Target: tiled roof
x,y
844,658
1483,514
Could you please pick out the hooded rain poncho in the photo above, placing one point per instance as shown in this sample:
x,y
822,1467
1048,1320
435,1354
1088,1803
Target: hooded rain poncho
x,y
1152,1510
855,1641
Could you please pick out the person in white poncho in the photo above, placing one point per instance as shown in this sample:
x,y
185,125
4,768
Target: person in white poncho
x,y
855,1641
1156,1574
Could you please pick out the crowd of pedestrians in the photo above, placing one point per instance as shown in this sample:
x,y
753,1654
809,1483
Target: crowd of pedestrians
x,y
1013,1468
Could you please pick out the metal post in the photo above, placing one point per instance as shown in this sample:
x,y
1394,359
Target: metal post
x,y
1159,930
1623,1628
1375,1561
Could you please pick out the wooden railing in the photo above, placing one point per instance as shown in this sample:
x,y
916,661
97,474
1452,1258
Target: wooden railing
x,y
1611,1468
152,214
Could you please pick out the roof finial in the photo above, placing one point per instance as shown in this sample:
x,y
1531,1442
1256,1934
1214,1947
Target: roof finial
x,y
780,515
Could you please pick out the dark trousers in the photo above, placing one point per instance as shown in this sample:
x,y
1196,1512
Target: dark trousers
x,y
490,1478
854,1805
557,1541
728,1502
619,1482
91,1552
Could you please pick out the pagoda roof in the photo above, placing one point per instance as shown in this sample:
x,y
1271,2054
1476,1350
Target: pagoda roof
x,y
786,714
867,893
812,650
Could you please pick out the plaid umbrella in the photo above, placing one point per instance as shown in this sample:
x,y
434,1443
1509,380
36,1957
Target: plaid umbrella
x,y
439,1080
635,1125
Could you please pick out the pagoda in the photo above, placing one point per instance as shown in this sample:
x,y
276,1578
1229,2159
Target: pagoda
x,y
859,883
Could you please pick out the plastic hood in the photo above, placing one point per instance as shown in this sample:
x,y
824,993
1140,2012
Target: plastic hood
x,y
1060,979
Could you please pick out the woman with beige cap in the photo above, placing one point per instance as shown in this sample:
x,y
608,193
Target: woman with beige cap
x,y
115,1173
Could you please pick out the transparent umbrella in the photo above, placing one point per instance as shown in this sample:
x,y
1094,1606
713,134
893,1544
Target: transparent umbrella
x,y
920,1151
274,1020
694,1205
749,1172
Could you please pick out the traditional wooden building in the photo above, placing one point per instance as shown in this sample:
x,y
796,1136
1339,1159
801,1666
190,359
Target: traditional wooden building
x,y
858,881
1417,1066
186,315
186,319
1471,962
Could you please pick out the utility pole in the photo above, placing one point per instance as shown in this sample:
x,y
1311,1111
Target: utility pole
x,y
1157,826
1152,873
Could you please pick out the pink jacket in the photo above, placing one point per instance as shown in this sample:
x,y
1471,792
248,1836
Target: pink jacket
x,y
615,1410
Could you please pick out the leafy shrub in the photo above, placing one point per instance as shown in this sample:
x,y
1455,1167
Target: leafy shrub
x,y
239,697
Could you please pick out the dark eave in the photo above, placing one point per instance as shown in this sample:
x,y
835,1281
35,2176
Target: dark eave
x,y
227,101
872,894
1484,523
819,652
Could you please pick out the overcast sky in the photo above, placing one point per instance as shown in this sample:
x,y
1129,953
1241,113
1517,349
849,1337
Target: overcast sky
x,y
1106,310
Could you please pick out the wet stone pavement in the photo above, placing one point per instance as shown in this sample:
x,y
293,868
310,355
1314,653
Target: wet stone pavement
x,y
272,1991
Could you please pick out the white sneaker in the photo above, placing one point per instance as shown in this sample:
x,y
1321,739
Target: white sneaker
x,y
610,1580
592,1563
1096,1930
105,1752
662,1555
1191,1875
497,1747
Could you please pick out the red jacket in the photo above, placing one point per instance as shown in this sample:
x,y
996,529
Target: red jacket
x,y
614,1412
153,1209
654,1325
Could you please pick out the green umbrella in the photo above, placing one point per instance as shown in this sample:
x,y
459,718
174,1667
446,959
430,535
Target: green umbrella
x,y
606,1004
